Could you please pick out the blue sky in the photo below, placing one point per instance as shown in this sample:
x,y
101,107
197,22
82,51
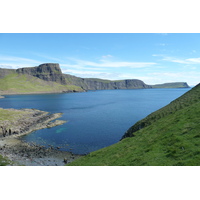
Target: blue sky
x,y
151,57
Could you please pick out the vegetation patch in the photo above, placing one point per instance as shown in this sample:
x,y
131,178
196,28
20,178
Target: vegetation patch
x,y
19,83
4,161
167,137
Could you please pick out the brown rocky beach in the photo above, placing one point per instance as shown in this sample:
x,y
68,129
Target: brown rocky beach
x,y
15,123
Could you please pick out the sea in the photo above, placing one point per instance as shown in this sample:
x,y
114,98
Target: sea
x,y
95,119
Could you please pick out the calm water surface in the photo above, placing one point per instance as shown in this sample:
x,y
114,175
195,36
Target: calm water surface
x,y
95,119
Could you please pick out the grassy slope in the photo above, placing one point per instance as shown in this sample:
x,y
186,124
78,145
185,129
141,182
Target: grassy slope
x,y
4,161
14,83
171,85
9,114
170,136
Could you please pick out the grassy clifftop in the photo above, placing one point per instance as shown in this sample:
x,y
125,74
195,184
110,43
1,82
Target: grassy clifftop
x,y
171,85
48,78
167,137
15,83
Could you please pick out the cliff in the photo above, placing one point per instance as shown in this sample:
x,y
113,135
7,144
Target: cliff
x,y
171,85
101,84
46,72
48,77
110,85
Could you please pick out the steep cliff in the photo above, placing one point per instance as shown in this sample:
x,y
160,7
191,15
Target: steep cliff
x,y
48,77
46,72
101,84
171,85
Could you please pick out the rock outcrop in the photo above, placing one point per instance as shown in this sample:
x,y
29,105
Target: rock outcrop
x,y
46,72
26,121
5,72
49,73
100,84
172,85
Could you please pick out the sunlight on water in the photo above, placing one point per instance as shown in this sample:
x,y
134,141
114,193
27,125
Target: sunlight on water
x,y
94,119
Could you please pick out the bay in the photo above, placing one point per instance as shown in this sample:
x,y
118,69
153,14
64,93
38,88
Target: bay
x,y
95,119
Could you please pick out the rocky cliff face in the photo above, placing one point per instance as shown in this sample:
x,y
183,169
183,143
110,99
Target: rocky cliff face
x,y
100,84
172,85
110,85
51,72
5,72
46,72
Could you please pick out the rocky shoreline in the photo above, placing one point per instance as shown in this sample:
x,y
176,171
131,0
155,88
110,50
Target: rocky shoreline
x,y
24,154
24,121
20,122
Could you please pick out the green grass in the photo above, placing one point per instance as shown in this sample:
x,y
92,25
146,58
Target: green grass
x,y
7,114
4,161
170,139
171,85
15,83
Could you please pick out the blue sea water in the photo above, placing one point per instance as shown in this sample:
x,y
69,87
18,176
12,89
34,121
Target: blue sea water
x,y
95,119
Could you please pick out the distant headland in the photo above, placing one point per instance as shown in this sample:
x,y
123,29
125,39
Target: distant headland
x,y
48,78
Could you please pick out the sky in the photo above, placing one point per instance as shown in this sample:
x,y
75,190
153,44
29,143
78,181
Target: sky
x,y
151,57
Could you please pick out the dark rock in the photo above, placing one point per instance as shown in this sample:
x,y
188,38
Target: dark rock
x,y
5,72
46,72
100,84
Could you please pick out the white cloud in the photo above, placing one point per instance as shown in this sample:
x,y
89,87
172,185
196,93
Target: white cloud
x,y
92,74
112,64
192,77
6,66
162,44
107,56
17,59
178,60
17,62
194,60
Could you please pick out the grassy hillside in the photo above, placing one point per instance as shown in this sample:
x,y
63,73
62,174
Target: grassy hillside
x,y
171,85
15,83
167,137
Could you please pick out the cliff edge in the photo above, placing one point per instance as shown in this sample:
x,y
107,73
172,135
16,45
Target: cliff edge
x,y
46,72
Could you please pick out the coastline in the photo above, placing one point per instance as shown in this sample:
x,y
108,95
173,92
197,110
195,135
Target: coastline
x,y
24,154
22,122
43,92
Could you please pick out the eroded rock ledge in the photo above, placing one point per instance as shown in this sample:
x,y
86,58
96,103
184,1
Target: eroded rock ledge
x,y
15,122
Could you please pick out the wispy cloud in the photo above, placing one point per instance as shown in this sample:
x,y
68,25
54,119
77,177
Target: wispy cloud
x,y
107,56
93,74
162,44
16,59
179,60
164,34
16,62
112,64
47,57
192,77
